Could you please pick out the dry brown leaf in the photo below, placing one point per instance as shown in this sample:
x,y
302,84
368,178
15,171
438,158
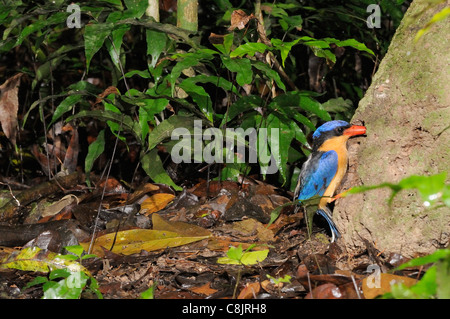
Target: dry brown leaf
x,y
239,19
141,191
254,228
181,228
378,284
155,203
58,206
71,158
250,291
109,90
216,38
204,289
9,105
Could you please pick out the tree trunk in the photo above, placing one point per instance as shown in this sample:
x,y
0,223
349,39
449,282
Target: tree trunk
x,y
153,9
407,113
187,15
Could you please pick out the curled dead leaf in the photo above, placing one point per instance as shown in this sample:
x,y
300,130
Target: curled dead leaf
x,y
155,203
239,19
56,207
250,291
9,105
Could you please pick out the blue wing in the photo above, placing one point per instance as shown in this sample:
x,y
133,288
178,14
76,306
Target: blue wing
x,y
317,173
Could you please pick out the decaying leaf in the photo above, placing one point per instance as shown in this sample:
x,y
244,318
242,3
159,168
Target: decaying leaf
x,y
71,158
56,207
239,20
204,289
133,241
9,105
250,291
155,203
109,90
378,284
181,228
141,191
163,235
38,260
254,228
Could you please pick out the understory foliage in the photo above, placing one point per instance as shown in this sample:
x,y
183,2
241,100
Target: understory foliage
x,y
124,82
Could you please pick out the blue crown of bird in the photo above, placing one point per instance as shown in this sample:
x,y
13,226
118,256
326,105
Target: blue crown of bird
x,y
326,166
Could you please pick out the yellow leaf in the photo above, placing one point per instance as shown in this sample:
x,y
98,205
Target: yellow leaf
x,y
181,228
133,241
38,260
155,203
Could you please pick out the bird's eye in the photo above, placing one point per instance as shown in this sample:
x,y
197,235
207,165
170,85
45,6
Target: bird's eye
x,y
339,130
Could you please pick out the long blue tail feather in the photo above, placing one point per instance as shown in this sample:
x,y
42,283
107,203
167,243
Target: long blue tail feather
x,y
334,230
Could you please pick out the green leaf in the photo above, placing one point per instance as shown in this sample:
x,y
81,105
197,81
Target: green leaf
x,y
68,288
283,47
428,186
57,18
65,106
156,44
36,281
152,165
246,103
235,256
279,147
105,115
290,22
225,47
143,74
147,110
299,100
242,67
94,151
249,48
441,15
188,60
235,253
254,257
428,259
164,129
270,73
135,8
200,97
114,46
59,273
94,37
350,43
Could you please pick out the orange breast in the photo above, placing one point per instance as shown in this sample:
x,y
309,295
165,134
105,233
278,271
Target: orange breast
x,y
339,145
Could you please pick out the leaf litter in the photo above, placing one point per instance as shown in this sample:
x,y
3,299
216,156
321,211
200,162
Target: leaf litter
x,y
210,241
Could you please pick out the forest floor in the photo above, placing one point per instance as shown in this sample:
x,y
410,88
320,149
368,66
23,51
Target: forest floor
x,y
177,243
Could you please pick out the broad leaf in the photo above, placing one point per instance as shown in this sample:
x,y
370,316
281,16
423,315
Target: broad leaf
x,y
65,106
242,67
94,37
168,234
156,44
153,166
249,48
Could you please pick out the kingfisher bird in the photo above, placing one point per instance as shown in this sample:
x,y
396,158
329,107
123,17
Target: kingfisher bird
x,y
326,166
